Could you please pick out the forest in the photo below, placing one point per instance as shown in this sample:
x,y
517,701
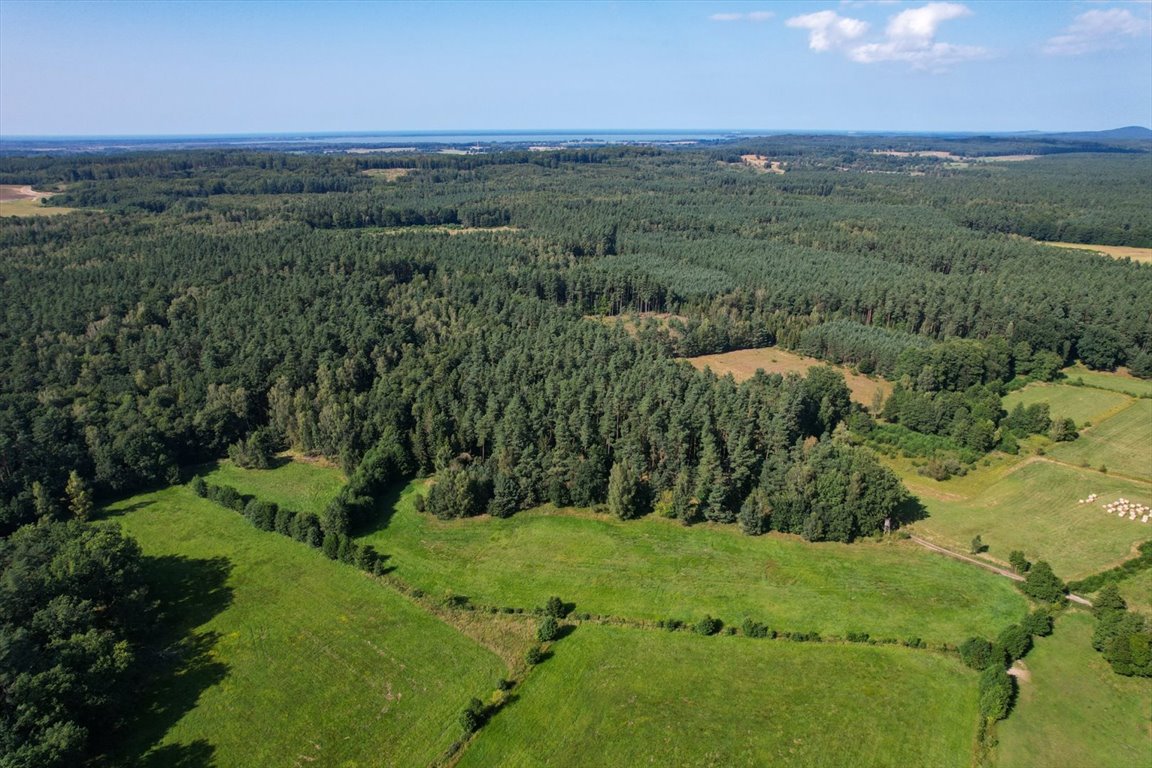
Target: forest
x,y
459,318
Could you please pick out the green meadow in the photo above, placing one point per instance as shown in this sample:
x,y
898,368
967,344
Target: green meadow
x,y
289,658
1074,711
1084,405
1033,506
297,485
1122,443
1117,382
615,696
655,568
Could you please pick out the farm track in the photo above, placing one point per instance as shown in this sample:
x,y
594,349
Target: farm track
x,y
987,566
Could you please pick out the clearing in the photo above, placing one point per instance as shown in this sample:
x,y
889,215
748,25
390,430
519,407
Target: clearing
x,y
1075,711
22,200
1032,505
744,363
653,568
301,486
388,174
1122,443
628,697
1084,405
292,658
1116,381
763,164
1142,255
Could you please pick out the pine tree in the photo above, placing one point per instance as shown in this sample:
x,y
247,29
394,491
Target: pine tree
x,y
79,496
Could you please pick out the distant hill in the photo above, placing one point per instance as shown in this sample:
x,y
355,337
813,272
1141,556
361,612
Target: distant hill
x,y
1127,133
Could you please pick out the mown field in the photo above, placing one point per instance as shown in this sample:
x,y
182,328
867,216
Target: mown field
x,y
1122,443
1075,712
628,697
654,568
1137,592
294,659
1032,505
297,485
744,363
1084,405
1119,381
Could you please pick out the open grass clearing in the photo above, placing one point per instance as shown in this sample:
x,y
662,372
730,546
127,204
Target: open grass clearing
x,y
1074,711
628,697
1084,405
1117,381
653,568
22,200
306,660
1143,255
302,486
1122,443
1033,505
388,174
744,363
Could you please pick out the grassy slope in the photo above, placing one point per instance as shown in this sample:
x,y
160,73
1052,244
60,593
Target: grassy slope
x,y
1081,404
322,662
1075,711
1137,592
654,568
1123,443
1033,507
1117,382
296,485
615,696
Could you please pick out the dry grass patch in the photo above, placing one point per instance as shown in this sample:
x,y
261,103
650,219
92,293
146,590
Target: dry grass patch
x,y
22,200
1142,255
388,174
744,363
634,322
762,163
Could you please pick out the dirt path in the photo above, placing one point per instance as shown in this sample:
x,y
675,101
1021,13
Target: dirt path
x,y
987,566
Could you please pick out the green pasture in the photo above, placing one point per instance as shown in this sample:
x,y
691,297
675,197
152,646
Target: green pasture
x,y
1075,711
1081,404
1122,443
629,697
1137,592
289,658
1034,507
655,568
297,485
1117,382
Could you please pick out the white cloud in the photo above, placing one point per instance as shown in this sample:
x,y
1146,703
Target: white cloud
x,y
909,37
753,16
1097,31
828,29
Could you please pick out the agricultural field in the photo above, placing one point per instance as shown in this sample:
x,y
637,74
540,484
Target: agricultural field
x,y
1137,592
1073,710
1084,405
1122,443
302,486
16,200
1118,381
294,659
618,696
1143,255
1033,505
654,568
744,363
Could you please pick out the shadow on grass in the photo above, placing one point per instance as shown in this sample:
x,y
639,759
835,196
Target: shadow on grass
x,y
385,509
910,511
179,664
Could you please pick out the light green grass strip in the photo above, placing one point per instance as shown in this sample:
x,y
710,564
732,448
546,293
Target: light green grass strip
x,y
623,697
1075,711
296,485
1081,404
655,568
1122,443
321,664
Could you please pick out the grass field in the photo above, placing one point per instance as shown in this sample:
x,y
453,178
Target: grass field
x,y
1081,404
1122,442
744,363
655,568
1119,381
1032,505
297,659
297,485
1137,592
1075,712
612,696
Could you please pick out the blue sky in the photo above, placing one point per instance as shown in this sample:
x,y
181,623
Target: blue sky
x,y
109,68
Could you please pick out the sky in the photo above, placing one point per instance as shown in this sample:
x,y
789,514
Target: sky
x,y
159,68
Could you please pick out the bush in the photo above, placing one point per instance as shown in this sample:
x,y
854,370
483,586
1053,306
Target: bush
x,y
534,656
976,652
978,546
1016,641
1038,623
548,630
557,608
1018,562
754,629
198,486
996,692
473,716
1042,584
708,626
